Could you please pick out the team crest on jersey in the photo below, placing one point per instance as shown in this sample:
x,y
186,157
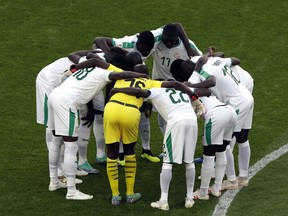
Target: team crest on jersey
x,y
83,112
177,55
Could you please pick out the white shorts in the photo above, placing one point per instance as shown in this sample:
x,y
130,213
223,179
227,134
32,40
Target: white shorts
x,y
98,101
180,141
63,116
43,90
245,116
219,125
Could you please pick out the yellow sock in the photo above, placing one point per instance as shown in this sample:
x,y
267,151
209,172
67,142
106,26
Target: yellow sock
x,y
130,173
112,172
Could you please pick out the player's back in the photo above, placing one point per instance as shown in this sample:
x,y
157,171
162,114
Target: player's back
x,y
173,105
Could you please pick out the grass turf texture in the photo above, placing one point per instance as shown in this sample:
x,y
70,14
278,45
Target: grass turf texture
x,y
35,33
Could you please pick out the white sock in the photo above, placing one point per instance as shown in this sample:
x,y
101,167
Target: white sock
x,y
144,129
83,140
230,169
61,161
70,164
165,179
99,136
244,158
232,143
49,137
54,155
220,166
162,124
190,178
206,173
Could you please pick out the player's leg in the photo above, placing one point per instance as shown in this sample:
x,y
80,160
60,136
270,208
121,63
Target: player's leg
x,y
99,138
144,129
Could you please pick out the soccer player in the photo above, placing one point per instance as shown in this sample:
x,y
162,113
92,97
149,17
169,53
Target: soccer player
x,y
64,103
118,110
216,75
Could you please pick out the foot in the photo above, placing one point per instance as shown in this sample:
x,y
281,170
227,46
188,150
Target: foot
x,y
197,195
56,186
162,205
189,203
243,181
116,200
88,168
214,192
147,154
101,160
78,195
229,185
81,172
63,179
133,197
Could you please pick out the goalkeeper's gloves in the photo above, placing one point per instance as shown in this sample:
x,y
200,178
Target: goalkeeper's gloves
x,y
198,107
68,73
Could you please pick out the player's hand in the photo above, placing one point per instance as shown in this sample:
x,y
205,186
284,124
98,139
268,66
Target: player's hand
x,y
148,110
199,108
89,118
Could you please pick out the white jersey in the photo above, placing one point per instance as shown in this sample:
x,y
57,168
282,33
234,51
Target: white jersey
x,y
51,73
228,88
83,85
163,58
129,42
172,105
211,102
244,77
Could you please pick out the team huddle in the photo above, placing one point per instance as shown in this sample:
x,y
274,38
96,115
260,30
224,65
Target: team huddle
x,y
109,87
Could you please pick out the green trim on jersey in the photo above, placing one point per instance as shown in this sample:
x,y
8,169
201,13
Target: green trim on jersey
x,y
169,147
208,128
158,38
71,122
204,74
45,110
237,111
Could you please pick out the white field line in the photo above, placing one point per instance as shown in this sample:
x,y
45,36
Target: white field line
x,y
227,198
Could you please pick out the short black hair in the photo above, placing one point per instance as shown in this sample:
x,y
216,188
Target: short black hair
x,y
133,58
170,30
141,68
119,61
175,69
147,38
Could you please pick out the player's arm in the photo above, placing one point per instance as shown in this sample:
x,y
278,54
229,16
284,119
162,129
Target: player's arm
x,y
234,61
75,56
203,92
104,43
204,58
208,83
131,91
126,75
183,36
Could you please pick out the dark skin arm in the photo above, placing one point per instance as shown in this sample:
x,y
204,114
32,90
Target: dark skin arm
x,y
93,62
104,43
183,36
89,118
126,75
203,92
179,86
235,61
208,83
75,56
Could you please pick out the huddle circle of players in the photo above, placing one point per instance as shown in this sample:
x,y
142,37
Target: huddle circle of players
x,y
185,84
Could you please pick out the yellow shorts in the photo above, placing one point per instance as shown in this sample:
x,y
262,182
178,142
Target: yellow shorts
x,y
121,123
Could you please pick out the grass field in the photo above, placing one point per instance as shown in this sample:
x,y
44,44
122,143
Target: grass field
x,y
35,33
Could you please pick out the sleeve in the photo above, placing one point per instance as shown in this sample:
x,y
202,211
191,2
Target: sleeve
x,y
195,78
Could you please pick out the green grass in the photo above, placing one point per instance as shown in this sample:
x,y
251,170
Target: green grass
x,y
35,33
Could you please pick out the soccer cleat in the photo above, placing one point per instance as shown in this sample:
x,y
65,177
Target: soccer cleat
x,y
243,181
88,168
133,197
81,172
121,163
78,195
116,200
58,185
147,154
214,193
229,185
63,179
189,203
162,205
197,195
101,160
198,160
